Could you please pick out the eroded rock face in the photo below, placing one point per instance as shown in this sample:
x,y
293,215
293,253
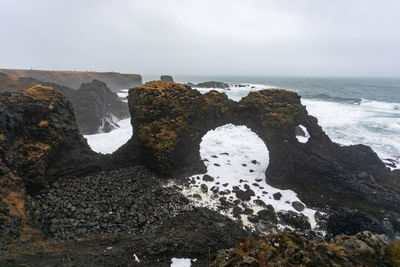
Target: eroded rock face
x,y
74,79
288,249
169,120
39,141
96,107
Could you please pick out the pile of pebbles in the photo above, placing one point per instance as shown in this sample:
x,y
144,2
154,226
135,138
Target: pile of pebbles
x,y
130,200
253,213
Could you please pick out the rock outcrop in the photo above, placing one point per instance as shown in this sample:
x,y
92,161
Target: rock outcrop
x,y
212,84
96,107
288,249
166,78
169,120
74,79
39,142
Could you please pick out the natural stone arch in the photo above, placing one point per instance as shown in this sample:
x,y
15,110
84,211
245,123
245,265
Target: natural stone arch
x,y
169,120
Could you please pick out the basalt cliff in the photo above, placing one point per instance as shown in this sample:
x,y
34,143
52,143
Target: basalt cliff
x,y
74,79
63,204
96,107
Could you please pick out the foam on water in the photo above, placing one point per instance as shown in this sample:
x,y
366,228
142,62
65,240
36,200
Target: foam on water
x,y
236,157
107,143
181,262
236,91
372,123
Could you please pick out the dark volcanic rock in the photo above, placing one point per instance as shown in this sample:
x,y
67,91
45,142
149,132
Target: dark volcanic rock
x,y
297,220
169,121
268,215
96,108
298,205
208,178
166,78
39,142
277,196
126,200
245,195
212,84
43,125
290,249
350,223
74,79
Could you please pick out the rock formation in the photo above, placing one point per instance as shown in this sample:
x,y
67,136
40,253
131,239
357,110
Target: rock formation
x,y
53,187
39,142
362,249
212,84
166,78
96,108
74,79
169,120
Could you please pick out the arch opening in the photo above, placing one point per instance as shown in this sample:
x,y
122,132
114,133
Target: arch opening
x,y
236,159
107,143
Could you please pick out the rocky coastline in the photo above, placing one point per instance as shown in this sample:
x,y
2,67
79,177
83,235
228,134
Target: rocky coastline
x,y
63,204
96,107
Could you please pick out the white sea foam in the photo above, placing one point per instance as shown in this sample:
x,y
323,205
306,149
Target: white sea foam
x,y
181,262
371,123
106,143
236,91
301,138
236,156
122,95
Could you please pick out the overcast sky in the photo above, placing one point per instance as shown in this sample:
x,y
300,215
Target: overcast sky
x,y
202,37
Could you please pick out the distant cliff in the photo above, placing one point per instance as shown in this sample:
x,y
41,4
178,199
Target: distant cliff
x,y
96,107
74,79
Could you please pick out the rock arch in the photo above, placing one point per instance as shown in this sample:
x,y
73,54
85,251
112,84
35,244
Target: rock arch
x,y
169,120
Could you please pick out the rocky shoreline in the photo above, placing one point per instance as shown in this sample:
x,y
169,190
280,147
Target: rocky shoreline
x,y
63,204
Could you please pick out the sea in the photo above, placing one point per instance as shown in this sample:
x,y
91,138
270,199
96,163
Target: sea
x,y
350,110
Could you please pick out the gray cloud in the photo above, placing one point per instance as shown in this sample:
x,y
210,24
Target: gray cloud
x,y
225,37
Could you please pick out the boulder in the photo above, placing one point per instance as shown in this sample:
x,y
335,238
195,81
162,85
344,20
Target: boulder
x,y
351,223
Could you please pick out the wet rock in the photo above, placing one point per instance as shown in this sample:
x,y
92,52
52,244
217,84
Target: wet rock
x,y
208,178
245,195
260,203
214,189
277,196
268,214
253,218
297,220
204,188
351,223
297,205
